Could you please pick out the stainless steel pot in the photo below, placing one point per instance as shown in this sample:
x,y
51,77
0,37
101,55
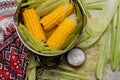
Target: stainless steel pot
x,y
59,56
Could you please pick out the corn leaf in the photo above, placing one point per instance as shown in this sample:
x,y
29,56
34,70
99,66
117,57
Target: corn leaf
x,y
71,75
101,22
32,2
85,9
88,42
70,40
35,44
48,6
95,6
25,39
116,56
52,51
80,19
31,74
93,1
84,36
103,54
97,25
113,38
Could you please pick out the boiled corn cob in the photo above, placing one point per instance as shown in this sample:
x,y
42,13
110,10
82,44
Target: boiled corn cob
x,y
60,35
31,21
52,19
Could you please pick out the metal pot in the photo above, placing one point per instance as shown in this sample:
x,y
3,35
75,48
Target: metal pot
x,y
58,56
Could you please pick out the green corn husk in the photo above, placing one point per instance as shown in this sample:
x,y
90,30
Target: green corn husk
x,y
48,6
88,43
31,74
85,9
29,39
28,3
80,19
95,6
97,25
116,55
62,75
112,41
103,54
93,1
101,22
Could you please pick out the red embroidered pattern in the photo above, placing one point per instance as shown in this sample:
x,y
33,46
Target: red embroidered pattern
x,y
13,54
6,16
7,4
13,57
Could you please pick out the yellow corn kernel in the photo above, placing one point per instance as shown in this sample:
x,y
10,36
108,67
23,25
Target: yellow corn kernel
x,y
49,33
31,21
61,34
55,17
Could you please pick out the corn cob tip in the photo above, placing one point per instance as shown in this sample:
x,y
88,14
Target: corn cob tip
x,y
73,18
